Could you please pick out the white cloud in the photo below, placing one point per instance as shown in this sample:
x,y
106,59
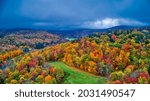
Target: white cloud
x,y
110,22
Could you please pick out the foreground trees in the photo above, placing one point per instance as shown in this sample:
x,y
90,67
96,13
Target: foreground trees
x,y
122,58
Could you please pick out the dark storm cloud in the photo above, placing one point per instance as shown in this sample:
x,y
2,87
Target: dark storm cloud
x,y
74,13
2,4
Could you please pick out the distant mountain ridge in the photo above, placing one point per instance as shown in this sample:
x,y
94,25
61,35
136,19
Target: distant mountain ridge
x,y
76,33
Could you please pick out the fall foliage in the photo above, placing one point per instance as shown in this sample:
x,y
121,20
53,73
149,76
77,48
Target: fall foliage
x,y
121,58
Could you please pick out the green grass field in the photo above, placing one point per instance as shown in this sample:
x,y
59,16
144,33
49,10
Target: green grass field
x,y
77,76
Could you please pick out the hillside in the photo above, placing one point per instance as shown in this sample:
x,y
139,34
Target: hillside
x,y
119,56
28,40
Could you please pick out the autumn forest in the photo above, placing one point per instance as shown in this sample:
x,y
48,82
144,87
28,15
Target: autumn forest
x,y
111,57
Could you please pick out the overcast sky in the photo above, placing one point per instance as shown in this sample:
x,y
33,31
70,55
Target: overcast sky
x,y
73,13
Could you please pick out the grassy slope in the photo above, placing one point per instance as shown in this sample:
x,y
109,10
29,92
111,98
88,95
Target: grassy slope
x,y
76,76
